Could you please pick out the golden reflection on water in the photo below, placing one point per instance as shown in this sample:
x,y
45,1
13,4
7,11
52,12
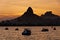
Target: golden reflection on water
x,y
36,33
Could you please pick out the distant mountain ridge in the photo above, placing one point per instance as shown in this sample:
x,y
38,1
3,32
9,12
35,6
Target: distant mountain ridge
x,y
31,19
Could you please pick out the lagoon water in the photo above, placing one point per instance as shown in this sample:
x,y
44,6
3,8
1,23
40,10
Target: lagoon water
x,y
10,33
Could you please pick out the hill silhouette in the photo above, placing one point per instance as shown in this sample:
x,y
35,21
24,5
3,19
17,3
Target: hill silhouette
x,y
31,19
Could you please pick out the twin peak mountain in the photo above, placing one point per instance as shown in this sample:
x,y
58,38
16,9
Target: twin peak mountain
x,y
29,14
29,18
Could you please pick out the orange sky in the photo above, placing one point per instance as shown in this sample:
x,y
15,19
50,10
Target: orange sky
x,y
13,8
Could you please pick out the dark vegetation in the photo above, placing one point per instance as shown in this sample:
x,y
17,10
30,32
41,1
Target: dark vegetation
x,y
31,19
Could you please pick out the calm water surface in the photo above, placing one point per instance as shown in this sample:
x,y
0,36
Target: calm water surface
x,y
10,33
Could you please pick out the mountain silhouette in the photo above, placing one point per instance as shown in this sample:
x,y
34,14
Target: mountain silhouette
x,y
50,14
28,18
28,14
31,19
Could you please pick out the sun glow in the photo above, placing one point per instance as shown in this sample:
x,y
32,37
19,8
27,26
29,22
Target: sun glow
x,y
18,7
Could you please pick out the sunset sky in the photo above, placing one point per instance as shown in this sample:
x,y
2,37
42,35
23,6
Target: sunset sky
x,y
13,8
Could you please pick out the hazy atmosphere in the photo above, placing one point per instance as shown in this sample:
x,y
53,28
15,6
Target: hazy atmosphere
x,y
13,8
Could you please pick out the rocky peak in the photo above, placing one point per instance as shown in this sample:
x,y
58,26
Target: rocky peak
x,y
29,11
48,13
